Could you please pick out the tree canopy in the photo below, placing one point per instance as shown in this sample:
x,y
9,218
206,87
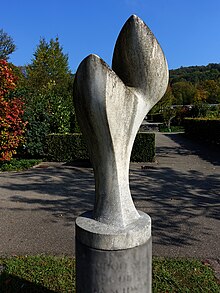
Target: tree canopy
x,y
49,69
7,45
48,84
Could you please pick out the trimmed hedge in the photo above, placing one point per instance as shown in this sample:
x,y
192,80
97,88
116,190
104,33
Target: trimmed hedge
x,y
71,147
203,129
144,147
65,147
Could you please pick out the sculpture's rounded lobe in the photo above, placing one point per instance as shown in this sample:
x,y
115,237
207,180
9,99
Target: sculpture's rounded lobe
x,y
139,60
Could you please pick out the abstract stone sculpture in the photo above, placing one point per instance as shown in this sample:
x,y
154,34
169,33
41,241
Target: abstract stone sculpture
x,y
111,105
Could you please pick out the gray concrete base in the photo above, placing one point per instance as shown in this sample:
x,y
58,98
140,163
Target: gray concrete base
x,y
119,271
113,259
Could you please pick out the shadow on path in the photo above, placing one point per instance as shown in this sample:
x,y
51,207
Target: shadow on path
x,y
177,202
186,146
61,191
183,203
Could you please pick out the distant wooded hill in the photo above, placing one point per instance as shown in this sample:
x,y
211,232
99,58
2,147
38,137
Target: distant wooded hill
x,y
190,85
195,74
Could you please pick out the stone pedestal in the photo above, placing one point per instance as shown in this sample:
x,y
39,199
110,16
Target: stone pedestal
x,y
113,260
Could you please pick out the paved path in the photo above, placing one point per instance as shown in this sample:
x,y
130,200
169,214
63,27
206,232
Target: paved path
x,y
180,192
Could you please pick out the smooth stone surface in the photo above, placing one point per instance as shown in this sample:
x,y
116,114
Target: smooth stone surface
x,y
140,63
101,236
120,271
111,105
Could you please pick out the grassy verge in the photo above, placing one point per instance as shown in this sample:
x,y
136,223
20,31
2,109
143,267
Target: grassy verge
x,y
18,164
183,275
53,274
37,274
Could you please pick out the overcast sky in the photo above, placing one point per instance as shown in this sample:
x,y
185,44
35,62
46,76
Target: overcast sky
x,y
187,30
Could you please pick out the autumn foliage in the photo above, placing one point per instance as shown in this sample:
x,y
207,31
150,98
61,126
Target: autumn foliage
x,y
12,127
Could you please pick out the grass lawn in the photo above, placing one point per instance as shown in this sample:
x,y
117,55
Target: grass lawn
x,y
35,274
18,164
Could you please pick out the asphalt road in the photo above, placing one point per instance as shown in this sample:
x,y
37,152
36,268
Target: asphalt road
x,y
180,191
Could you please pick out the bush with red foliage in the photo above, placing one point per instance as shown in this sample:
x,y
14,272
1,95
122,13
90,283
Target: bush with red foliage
x,y
12,126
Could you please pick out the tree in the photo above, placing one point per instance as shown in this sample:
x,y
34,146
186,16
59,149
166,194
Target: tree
x,y
167,101
12,125
7,45
200,95
184,92
49,105
49,70
166,107
212,87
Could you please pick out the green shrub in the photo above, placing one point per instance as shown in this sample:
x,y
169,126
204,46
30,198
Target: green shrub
x,y
203,129
45,113
71,147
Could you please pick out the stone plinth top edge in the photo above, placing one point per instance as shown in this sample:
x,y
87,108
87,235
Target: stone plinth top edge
x,y
102,236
